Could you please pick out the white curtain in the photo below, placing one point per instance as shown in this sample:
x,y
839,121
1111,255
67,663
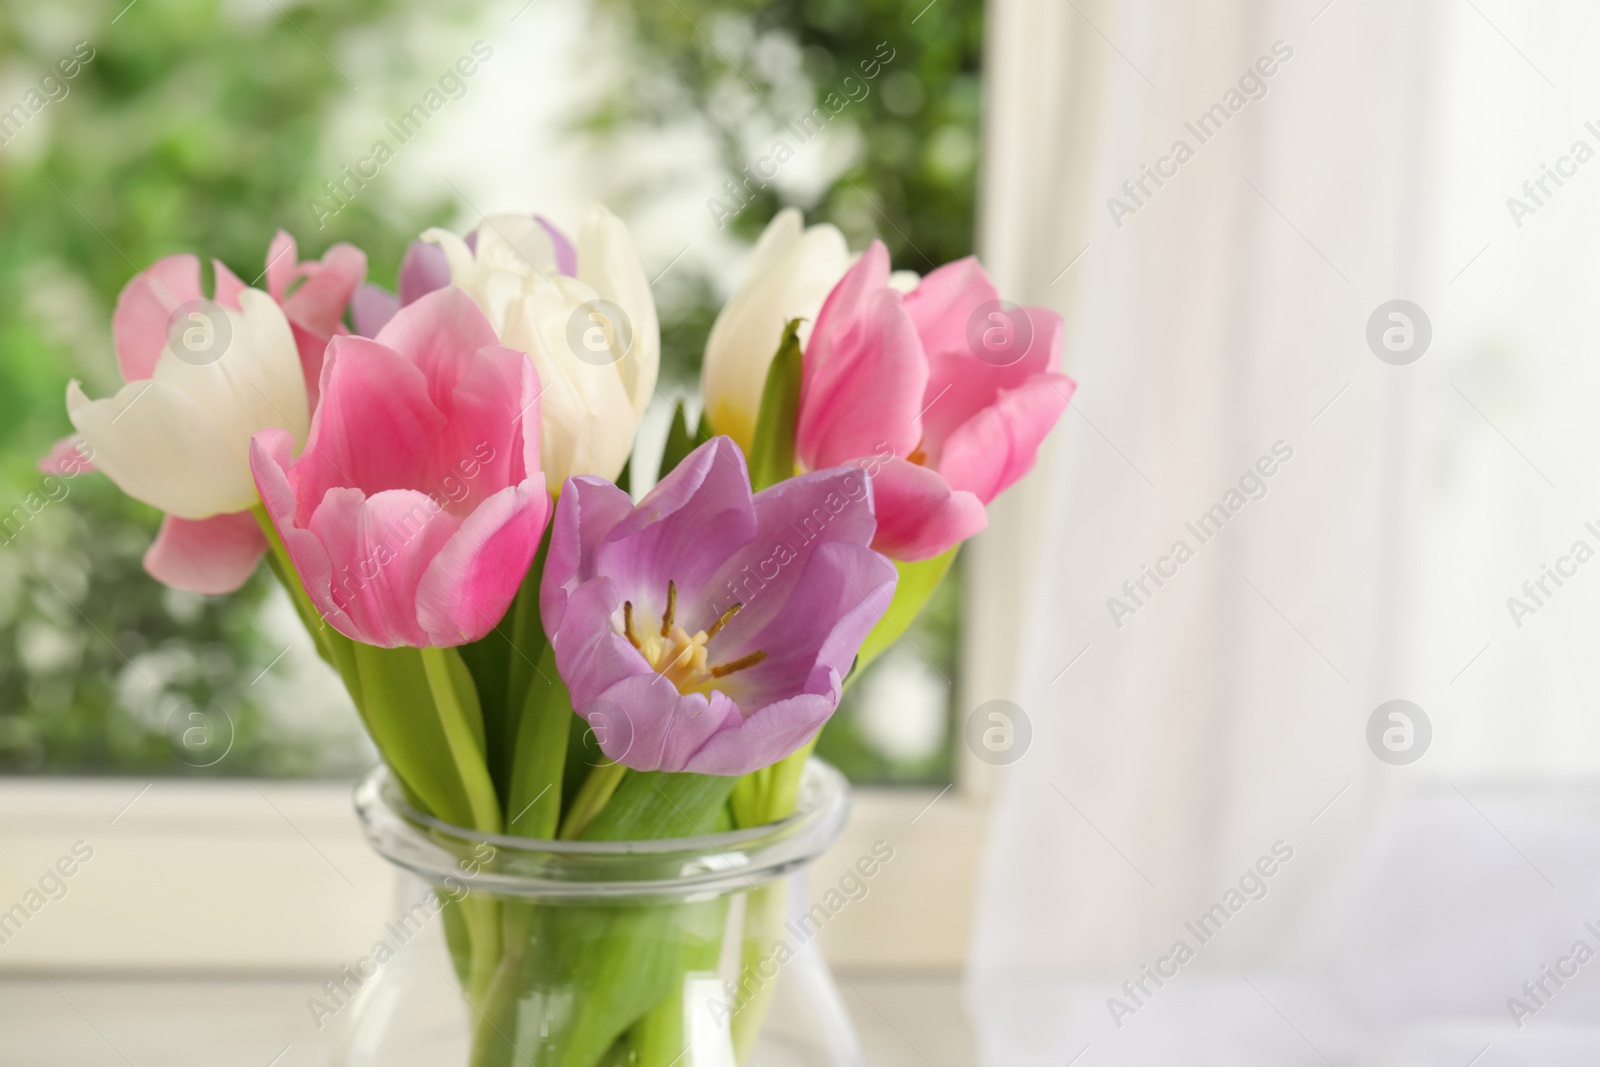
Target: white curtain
x,y
1194,731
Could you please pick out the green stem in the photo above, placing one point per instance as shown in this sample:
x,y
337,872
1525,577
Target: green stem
x,y
482,915
783,785
592,796
458,733
765,909
749,794
662,1037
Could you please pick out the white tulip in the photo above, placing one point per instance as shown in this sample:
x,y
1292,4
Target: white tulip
x,y
180,440
792,270
596,369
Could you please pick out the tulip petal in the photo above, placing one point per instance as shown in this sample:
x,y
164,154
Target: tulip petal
x,y
271,464
439,333
793,519
790,273
608,263
424,269
844,303
471,582
212,556
376,440
590,508
684,528
961,384
590,654
162,446
282,265
68,457
485,393
274,376
842,590
566,253
661,729
254,383
378,548
320,301
228,286
585,412
998,445
919,515
139,324
764,738
312,349
943,303
516,243
864,392
371,308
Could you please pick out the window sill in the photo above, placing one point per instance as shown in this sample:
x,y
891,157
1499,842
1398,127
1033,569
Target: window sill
x,y
262,877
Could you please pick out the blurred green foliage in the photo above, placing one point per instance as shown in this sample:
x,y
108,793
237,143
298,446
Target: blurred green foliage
x,y
193,127
108,671
745,68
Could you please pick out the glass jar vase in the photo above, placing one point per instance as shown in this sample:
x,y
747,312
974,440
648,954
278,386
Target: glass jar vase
x,y
689,952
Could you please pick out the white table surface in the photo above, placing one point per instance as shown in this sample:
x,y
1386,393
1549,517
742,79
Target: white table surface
x,y
904,1020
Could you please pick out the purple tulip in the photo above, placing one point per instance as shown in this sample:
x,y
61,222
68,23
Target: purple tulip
x,y
707,629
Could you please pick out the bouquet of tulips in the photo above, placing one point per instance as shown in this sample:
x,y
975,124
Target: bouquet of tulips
x,y
435,477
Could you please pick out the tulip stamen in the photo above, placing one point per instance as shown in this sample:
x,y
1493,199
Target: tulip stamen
x,y
738,665
678,656
627,624
722,621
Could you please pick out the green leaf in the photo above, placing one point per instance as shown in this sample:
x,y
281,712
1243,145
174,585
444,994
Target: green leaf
x,y
522,634
533,802
655,804
583,755
772,453
911,594
455,703
397,705
681,440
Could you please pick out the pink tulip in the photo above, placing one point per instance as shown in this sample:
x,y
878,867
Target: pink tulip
x,y
217,555
944,399
418,502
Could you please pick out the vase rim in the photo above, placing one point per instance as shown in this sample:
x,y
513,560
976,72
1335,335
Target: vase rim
x,y
679,867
